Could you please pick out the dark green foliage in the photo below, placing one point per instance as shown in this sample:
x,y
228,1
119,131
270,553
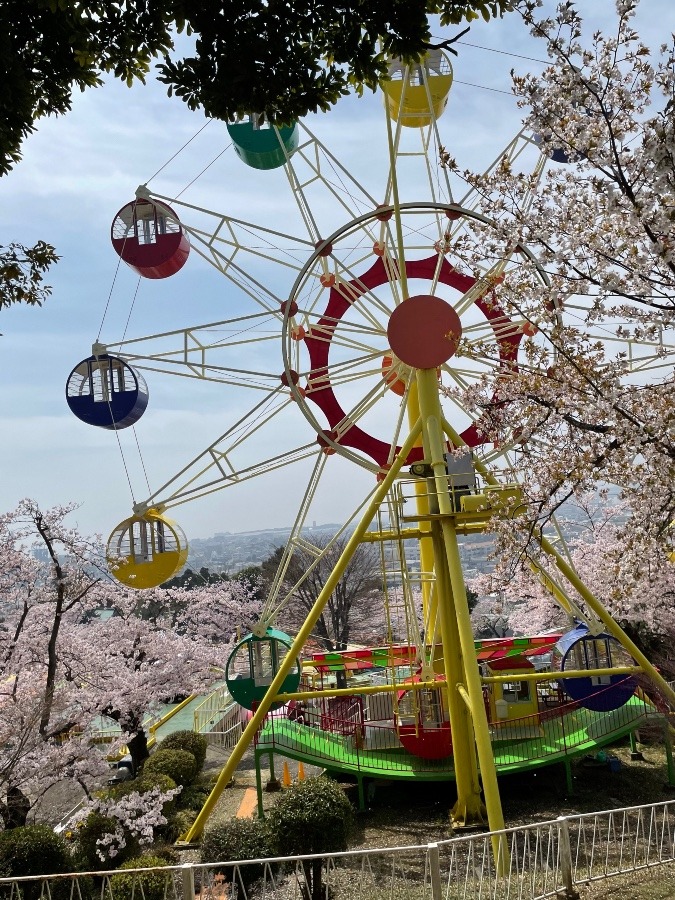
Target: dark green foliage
x,y
21,272
287,59
47,49
166,852
178,824
193,797
278,58
179,765
33,850
312,816
147,781
186,740
149,885
191,580
89,832
235,840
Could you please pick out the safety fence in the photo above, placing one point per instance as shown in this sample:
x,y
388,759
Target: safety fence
x,y
211,709
532,862
373,747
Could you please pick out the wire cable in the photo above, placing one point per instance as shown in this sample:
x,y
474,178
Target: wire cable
x,y
179,151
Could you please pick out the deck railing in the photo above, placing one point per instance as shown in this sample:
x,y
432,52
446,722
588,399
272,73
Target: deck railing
x,y
211,709
374,747
547,859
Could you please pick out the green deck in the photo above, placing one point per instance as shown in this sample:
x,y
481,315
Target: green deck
x,y
559,738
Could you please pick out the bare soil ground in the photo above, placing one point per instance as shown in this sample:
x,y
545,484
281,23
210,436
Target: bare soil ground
x,y
418,813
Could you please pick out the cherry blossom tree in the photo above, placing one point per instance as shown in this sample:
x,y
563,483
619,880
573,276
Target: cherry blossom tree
x,y
600,227
74,647
634,581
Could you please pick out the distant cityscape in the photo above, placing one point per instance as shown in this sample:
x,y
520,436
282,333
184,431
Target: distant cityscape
x,y
232,552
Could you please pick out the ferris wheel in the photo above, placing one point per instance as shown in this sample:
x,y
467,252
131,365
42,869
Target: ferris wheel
x,y
344,309
318,320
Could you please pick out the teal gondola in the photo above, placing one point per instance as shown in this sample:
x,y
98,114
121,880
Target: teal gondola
x,y
254,663
263,146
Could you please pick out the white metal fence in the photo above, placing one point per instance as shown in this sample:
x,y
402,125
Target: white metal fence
x,y
548,859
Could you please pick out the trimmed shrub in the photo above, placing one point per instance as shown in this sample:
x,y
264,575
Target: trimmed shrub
x,y
149,885
89,832
187,740
144,783
177,764
33,850
36,850
166,852
312,816
238,839
178,824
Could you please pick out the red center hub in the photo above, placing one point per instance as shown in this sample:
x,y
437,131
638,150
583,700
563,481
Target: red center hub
x,y
424,331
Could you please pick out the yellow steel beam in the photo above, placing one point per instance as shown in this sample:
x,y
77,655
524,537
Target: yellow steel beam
x,y
432,418
303,634
558,676
595,605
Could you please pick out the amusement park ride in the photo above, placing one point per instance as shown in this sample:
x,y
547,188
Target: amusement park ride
x,y
373,323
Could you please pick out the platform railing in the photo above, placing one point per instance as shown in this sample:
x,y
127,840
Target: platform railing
x,y
547,859
211,709
566,729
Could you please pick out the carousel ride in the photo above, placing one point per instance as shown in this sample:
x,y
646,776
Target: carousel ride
x,y
370,320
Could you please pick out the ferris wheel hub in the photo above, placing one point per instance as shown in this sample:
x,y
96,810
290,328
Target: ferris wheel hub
x,y
424,331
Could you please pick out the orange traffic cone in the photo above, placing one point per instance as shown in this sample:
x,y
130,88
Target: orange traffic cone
x,y
301,772
286,778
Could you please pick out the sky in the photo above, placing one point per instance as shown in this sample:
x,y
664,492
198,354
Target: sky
x,y
79,169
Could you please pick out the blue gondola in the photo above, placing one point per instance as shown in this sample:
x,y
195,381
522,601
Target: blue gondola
x,y
106,392
582,650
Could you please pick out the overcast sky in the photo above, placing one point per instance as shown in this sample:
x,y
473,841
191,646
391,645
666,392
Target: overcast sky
x,y
78,170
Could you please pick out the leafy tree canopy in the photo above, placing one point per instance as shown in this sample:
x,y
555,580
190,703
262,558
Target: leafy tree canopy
x,y
285,59
276,57
21,272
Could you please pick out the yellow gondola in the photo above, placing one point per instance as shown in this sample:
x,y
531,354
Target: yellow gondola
x,y
146,550
421,97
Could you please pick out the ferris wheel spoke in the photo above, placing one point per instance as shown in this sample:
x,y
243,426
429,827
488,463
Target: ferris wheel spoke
x,y
197,352
345,372
193,491
346,342
219,457
314,164
236,235
523,150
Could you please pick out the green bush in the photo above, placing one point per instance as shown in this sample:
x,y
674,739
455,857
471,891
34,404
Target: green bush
x,y
145,782
149,885
89,832
36,850
193,797
166,852
178,824
238,839
187,740
33,850
177,764
312,816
